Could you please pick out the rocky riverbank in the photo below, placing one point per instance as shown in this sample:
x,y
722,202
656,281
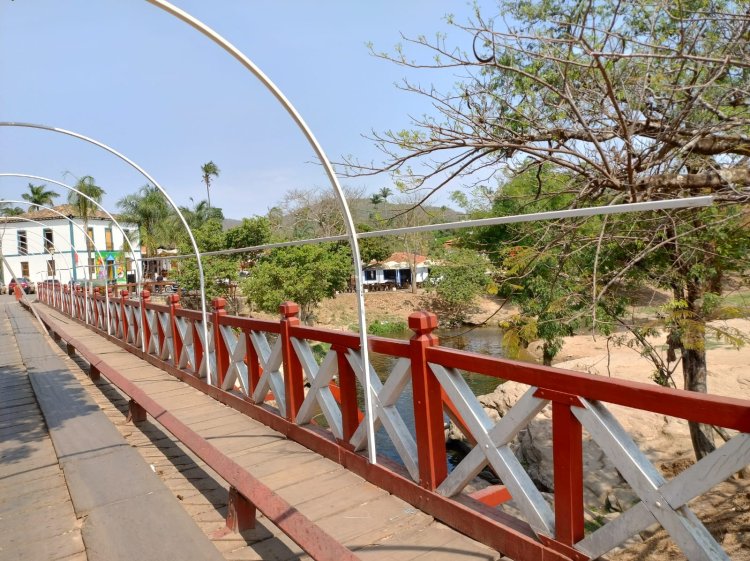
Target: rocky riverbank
x,y
665,440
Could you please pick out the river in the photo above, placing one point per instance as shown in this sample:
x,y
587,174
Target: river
x,y
483,340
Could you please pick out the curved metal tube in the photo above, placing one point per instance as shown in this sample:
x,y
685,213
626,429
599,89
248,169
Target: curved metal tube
x,y
143,172
84,195
351,230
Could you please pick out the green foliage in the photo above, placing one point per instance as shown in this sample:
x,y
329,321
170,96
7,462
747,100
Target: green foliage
x,y
386,327
39,195
220,272
455,283
374,249
200,213
304,274
251,232
84,207
149,209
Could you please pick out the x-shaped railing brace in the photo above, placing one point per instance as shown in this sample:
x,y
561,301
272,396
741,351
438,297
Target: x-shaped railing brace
x,y
272,378
661,501
385,414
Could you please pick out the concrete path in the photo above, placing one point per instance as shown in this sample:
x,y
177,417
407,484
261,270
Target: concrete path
x,y
37,519
127,512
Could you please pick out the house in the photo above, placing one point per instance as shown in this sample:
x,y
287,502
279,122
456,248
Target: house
x,y
41,245
396,271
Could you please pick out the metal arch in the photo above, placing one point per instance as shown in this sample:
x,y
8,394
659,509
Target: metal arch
x,y
106,292
351,230
143,172
73,189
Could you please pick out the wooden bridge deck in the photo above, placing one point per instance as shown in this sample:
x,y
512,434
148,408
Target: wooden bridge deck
x,y
363,517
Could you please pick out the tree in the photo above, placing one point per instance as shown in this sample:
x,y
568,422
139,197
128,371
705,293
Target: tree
x,y
7,210
200,213
219,271
460,276
84,207
304,274
149,209
632,102
209,170
39,195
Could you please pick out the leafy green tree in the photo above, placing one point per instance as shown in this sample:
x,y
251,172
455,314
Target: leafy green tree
x,y
374,249
304,274
84,207
200,213
632,103
149,209
39,195
220,271
251,232
460,276
7,210
209,171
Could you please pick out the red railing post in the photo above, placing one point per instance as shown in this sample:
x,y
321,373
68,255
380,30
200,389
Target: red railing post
x,y
79,303
253,364
96,307
145,298
293,382
174,303
428,403
220,346
66,300
124,315
348,394
567,448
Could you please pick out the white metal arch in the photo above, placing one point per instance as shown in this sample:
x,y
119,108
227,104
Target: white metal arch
x,y
139,277
156,184
310,137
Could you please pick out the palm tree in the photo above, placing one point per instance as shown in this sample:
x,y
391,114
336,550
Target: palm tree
x,y
384,193
201,213
148,208
38,195
83,206
7,210
209,170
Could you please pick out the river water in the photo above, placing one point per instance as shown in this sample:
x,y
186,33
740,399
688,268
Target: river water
x,y
483,340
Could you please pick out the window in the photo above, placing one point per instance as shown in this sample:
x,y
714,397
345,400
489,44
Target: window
x,y
23,248
92,267
51,268
90,240
25,269
49,243
108,239
370,274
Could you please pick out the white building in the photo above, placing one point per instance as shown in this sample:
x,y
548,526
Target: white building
x,y
56,248
396,271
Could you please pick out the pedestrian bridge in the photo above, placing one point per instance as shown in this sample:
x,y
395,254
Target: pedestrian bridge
x,y
285,430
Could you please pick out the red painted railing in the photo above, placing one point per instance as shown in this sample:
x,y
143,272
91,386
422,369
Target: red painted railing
x,y
261,361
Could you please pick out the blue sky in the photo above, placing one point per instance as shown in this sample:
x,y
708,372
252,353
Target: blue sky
x,y
136,78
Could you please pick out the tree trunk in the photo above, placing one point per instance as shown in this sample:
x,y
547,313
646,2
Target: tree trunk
x,y
695,374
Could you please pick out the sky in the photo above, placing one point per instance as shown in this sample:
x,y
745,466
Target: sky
x,y
134,77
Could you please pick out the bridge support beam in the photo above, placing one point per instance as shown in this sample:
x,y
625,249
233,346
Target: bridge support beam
x,y
136,413
94,373
240,512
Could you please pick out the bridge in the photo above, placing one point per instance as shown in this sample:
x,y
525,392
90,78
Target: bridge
x,y
283,430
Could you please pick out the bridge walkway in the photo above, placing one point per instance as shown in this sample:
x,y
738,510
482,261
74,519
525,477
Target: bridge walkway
x,y
37,519
366,519
71,488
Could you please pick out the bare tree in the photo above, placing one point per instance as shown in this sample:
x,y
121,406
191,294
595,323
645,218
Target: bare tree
x,y
631,101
